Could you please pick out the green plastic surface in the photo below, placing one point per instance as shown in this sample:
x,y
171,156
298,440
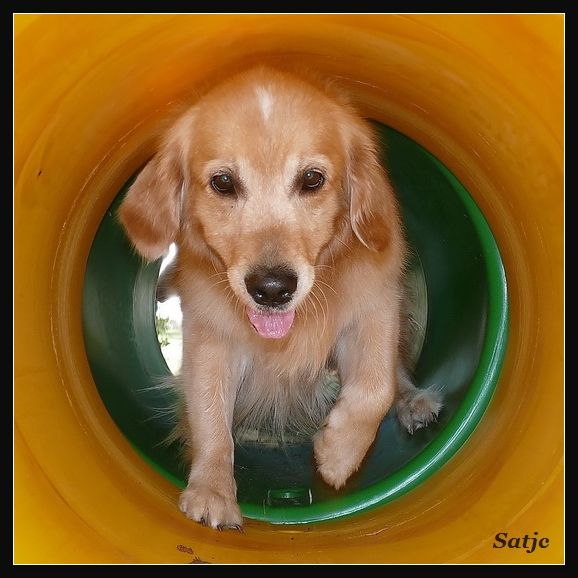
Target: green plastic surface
x,y
464,346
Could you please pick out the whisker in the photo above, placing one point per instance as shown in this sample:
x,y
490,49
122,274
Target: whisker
x,y
321,306
343,243
230,297
332,256
314,308
326,301
237,303
325,267
218,283
213,263
218,273
303,307
326,285
323,293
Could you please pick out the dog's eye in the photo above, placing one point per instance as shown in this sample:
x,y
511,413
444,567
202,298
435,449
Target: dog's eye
x,y
312,180
223,184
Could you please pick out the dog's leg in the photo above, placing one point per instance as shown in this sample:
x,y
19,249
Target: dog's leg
x,y
209,390
367,361
416,408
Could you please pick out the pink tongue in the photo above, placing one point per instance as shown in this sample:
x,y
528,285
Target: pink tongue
x,y
271,325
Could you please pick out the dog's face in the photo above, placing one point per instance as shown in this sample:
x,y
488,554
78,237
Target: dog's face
x,y
268,196
267,177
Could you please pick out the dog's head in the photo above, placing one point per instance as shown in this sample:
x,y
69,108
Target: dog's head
x,y
268,176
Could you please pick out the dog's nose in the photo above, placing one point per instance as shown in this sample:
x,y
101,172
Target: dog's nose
x,y
271,287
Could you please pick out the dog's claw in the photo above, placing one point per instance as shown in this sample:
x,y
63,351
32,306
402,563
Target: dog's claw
x,y
209,508
235,527
418,409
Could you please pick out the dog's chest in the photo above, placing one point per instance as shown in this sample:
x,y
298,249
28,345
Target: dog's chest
x,y
286,389
286,370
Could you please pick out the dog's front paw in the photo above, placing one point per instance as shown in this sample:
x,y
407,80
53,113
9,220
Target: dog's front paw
x,y
418,409
210,508
340,448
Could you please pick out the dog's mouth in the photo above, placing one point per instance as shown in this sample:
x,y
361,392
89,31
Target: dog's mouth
x,y
271,324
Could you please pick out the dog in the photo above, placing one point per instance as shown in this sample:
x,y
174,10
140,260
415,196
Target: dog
x,y
291,261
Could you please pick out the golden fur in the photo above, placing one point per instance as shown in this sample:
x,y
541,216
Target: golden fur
x,y
344,242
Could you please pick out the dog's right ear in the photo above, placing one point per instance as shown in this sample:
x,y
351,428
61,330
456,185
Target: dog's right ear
x,y
151,210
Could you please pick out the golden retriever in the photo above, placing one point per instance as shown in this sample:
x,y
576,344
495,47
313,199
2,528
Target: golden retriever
x,y
290,262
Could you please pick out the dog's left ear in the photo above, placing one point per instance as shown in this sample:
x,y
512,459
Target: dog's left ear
x,y
371,198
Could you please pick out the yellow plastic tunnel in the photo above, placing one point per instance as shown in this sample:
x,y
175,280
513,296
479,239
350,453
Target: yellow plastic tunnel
x,y
483,93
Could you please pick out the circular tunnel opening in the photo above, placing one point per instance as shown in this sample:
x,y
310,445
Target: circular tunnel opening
x,y
459,323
